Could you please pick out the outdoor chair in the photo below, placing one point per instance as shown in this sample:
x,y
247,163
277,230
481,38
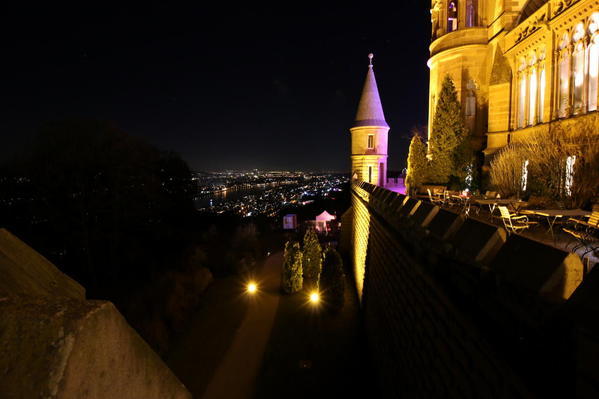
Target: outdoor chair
x,y
434,200
585,232
512,222
584,239
593,220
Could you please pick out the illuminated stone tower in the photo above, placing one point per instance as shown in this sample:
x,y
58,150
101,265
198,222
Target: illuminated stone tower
x,y
369,135
460,49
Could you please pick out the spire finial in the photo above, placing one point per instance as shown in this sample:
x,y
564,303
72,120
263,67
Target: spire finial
x,y
370,57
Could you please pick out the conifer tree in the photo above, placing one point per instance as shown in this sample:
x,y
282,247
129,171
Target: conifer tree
x,y
333,279
292,280
312,258
448,145
417,164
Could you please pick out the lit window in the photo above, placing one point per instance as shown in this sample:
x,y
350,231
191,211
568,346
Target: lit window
x,y
541,95
370,141
569,174
522,101
524,180
370,174
564,78
452,16
532,100
578,71
593,72
471,17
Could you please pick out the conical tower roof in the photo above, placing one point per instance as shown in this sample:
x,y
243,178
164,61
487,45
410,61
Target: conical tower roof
x,y
370,109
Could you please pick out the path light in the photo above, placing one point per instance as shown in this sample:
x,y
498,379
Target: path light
x,y
252,288
314,297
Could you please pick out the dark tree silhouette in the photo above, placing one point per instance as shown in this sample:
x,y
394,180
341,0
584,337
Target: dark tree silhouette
x,y
104,206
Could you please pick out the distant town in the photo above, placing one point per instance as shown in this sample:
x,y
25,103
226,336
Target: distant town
x,y
255,192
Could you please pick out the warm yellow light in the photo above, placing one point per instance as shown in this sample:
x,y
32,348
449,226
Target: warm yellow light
x,y
252,288
314,297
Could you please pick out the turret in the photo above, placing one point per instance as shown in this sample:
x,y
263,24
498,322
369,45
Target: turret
x,y
369,135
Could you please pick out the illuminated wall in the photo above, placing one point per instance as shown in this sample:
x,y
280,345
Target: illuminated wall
x,y
368,154
418,339
360,235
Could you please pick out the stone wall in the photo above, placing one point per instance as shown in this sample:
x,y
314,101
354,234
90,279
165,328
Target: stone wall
x,y
453,307
56,344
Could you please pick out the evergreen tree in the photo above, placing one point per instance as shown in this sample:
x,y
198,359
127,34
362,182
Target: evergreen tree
x,y
448,145
333,279
417,164
312,258
292,268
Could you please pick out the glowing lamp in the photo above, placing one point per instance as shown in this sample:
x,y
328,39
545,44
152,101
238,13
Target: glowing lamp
x,y
252,288
314,297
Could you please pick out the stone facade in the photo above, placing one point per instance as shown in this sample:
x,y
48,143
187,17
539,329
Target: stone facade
x,y
516,64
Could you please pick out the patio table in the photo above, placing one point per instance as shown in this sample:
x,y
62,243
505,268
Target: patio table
x,y
494,202
553,215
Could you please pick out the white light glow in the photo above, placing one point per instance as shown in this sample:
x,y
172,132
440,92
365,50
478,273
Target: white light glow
x,y
252,288
569,174
314,297
524,181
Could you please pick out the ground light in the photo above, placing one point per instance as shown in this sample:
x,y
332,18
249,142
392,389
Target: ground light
x,y
314,297
252,288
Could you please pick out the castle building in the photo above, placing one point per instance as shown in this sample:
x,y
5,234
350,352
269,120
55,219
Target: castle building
x,y
369,135
519,66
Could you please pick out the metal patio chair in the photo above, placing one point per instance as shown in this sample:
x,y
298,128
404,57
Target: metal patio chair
x,y
512,222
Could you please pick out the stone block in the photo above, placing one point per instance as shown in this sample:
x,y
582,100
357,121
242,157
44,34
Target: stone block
x,y
478,242
67,348
445,223
409,206
538,269
425,213
24,271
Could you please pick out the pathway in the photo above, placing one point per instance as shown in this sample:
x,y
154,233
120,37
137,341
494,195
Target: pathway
x,y
236,375
220,352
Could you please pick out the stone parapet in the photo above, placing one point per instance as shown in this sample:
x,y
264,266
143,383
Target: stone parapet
x,y
56,344
441,299
461,37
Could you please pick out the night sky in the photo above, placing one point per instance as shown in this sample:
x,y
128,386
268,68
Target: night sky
x,y
231,88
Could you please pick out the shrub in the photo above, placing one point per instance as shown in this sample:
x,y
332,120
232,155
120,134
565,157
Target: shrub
x,y
546,153
333,279
417,163
312,258
506,170
292,268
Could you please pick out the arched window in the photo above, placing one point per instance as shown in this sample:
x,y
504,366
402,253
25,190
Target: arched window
x,y
452,16
564,77
471,13
593,62
578,65
522,95
532,96
542,83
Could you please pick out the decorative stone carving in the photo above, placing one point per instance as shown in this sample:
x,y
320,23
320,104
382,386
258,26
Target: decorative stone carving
x,y
560,5
534,25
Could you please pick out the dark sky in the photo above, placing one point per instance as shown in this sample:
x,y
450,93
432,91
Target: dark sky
x,y
249,87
